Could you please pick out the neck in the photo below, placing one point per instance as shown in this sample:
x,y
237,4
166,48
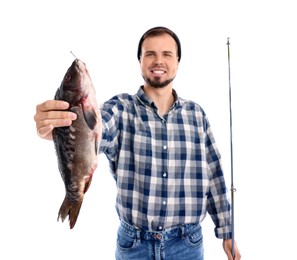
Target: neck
x,y
162,97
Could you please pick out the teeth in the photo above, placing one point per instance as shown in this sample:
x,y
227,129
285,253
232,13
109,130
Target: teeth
x,y
158,71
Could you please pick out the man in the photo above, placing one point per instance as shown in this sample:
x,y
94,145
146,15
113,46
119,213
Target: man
x,y
163,157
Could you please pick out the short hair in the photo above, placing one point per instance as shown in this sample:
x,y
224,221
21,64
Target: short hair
x,y
159,30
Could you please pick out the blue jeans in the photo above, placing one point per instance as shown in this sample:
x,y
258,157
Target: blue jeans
x,y
181,243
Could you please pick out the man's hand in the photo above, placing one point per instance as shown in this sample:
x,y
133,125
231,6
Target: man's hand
x,y
51,114
227,245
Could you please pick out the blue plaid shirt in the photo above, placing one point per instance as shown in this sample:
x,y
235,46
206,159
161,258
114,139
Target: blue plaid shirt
x,y
167,168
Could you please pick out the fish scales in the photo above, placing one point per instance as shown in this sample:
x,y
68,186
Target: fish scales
x,y
77,145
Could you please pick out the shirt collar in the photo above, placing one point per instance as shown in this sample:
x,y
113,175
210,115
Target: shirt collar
x,y
147,101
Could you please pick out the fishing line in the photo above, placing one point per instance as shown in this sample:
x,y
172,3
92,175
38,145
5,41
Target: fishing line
x,y
73,54
231,146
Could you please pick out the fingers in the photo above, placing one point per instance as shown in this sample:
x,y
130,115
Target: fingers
x,y
57,118
51,114
52,105
45,132
43,110
229,255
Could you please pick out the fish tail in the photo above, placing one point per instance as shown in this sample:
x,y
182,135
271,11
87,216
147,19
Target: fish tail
x,y
71,209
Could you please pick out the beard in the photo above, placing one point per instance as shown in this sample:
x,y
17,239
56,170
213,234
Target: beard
x,y
157,83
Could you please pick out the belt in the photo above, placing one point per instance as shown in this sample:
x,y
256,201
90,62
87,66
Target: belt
x,y
179,231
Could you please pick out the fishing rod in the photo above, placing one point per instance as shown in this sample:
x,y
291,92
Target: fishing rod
x,y
231,146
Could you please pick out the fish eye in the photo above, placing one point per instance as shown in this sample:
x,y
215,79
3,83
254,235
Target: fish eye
x,y
68,76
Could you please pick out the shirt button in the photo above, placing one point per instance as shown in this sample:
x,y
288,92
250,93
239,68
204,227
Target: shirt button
x,y
164,174
164,147
164,202
160,227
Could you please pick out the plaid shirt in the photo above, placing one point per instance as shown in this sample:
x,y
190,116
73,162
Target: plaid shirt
x,y
167,168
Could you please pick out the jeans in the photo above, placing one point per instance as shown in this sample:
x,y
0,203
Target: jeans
x,y
181,243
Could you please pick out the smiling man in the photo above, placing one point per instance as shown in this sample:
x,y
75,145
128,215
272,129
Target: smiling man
x,y
163,157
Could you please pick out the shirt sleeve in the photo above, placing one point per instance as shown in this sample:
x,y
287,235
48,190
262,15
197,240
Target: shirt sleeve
x,y
218,205
110,128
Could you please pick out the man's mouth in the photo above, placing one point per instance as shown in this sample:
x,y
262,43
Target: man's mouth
x,y
159,72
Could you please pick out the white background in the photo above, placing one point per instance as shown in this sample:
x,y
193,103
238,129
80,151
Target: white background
x,y
35,45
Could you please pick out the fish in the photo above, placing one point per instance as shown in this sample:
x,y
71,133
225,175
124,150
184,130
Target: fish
x,y
77,145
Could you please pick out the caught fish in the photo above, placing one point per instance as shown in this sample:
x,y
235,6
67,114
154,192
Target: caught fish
x,y
77,145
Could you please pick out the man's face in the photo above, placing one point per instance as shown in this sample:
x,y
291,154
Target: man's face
x,y
159,61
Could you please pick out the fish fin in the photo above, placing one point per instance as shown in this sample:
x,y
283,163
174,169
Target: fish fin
x,y
88,184
90,117
71,209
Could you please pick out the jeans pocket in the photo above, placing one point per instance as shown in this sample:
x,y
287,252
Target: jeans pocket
x,y
124,241
194,237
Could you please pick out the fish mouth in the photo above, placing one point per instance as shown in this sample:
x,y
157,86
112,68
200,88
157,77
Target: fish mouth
x,y
81,66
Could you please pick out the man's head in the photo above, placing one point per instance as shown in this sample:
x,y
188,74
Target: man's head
x,y
159,54
159,30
